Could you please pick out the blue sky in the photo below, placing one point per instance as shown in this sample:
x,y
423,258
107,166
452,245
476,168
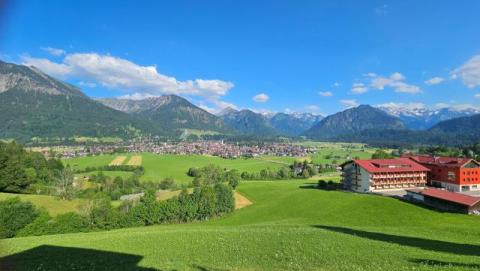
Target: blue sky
x,y
317,56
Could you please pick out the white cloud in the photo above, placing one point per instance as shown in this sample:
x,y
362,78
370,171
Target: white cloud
x,y
336,84
434,81
87,84
312,108
395,80
477,95
56,69
260,98
137,96
469,72
54,51
349,103
325,93
128,77
359,88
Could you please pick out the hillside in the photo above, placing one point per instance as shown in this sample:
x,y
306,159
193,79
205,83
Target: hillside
x,y
33,104
171,112
463,125
353,120
249,123
290,226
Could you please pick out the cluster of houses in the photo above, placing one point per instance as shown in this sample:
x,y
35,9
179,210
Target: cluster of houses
x,y
210,147
440,182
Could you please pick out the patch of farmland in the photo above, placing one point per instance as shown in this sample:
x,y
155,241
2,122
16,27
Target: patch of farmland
x,y
118,161
135,160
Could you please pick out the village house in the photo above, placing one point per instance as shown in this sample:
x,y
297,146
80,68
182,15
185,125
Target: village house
x,y
382,174
451,173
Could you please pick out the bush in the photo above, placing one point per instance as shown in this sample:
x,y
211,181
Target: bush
x,y
167,183
64,223
15,215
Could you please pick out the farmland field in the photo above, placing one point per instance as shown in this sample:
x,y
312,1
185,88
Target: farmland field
x,y
290,226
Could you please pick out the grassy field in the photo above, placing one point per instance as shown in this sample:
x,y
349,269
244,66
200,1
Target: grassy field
x,y
290,226
53,205
158,167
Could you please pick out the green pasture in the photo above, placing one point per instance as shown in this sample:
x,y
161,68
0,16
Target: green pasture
x,y
53,205
290,226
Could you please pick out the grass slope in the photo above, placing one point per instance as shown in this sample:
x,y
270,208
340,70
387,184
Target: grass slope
x,y
287,228
53,205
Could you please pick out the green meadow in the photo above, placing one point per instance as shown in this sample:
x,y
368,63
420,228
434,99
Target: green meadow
x,y
53,205
160,166
290,226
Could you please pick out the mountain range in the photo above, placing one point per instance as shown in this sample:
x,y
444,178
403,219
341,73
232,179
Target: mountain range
x,y
34,105
418,117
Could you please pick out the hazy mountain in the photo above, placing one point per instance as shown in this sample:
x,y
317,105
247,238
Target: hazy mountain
x,y
33,104
420,118
463,126
293,124
227,110
171,112
353,120
249,123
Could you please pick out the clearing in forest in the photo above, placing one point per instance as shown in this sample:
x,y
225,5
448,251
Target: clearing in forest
x,y
135,160
117,161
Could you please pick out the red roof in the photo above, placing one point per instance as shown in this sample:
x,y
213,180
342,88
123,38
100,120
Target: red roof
x,y
450,196
440,160
390,165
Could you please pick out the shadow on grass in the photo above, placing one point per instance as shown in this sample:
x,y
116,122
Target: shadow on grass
x,y
322,186
435,263
426,244
66,258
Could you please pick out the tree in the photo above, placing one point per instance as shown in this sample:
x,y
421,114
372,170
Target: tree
x,y
381,154
232,177
65,185
15,215
225,202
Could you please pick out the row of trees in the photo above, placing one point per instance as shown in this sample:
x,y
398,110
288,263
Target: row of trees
x,y
19,168
19,218
214,174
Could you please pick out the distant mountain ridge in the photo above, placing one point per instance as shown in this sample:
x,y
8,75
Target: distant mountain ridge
x,y
353,120
170,112
422,118
35,105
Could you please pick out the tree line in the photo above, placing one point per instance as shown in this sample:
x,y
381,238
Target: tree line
x,y
20,169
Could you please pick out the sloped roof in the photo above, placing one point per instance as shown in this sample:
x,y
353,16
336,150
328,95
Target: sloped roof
x,y
441,160
450,196
390,165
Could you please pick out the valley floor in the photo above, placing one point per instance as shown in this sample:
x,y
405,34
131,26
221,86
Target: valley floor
x,y
290,226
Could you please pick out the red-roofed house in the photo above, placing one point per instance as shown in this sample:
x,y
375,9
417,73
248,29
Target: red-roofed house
x,y
446,200
382,174
451,173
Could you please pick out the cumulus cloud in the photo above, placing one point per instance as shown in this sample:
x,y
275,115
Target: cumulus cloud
x,y
325,93
469,72
349,103
54,51
312,108
395,80
359,88
260,98
128,77
434,81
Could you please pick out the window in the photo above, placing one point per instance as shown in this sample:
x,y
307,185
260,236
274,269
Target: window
x,y
451,175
